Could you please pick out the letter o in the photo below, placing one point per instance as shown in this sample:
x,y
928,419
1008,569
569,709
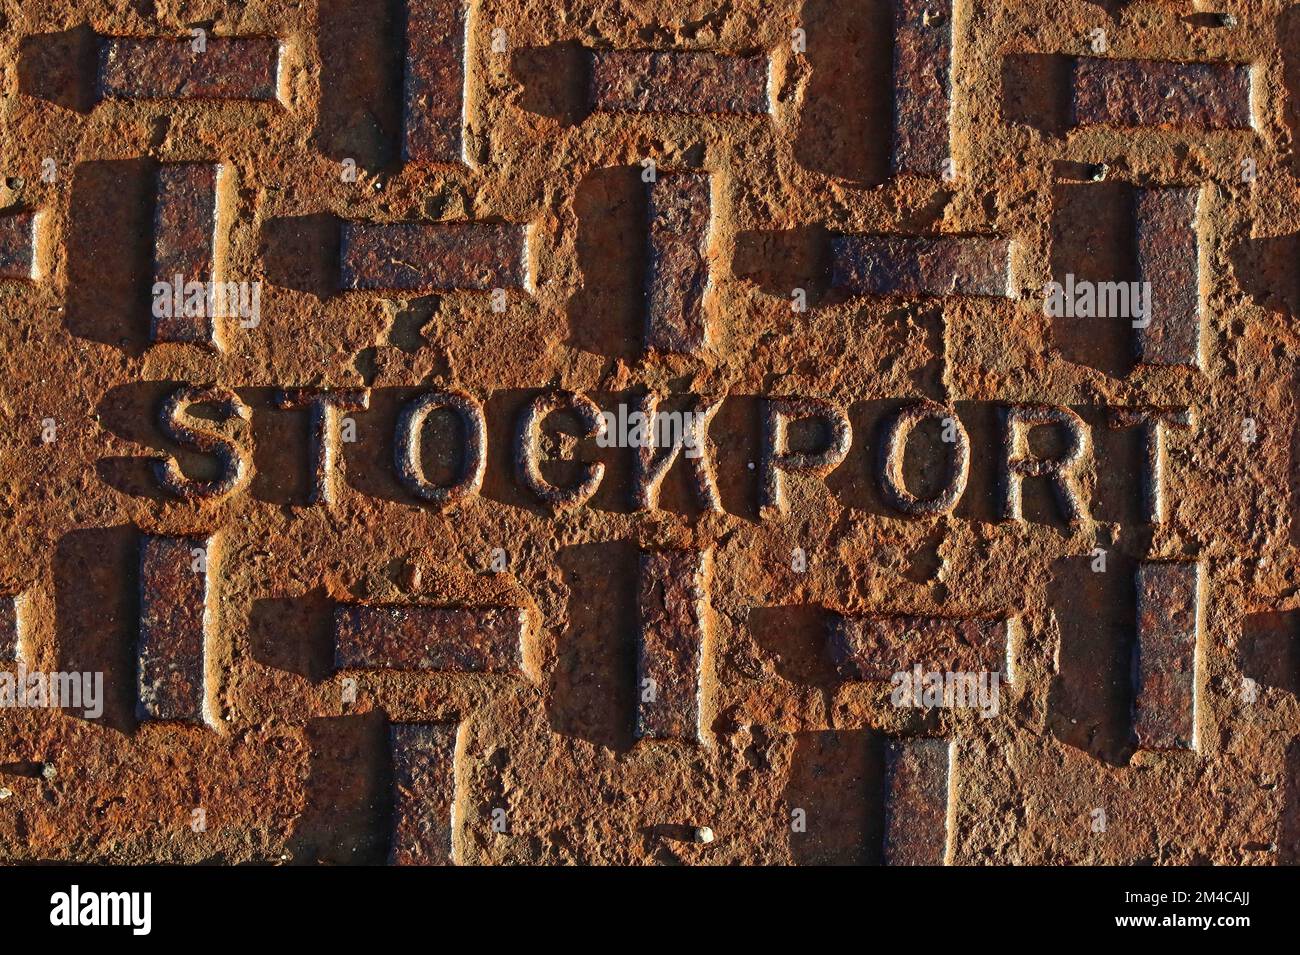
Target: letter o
x,y
892,448
407,447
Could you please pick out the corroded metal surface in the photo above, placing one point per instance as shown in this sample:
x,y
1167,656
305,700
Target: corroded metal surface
x,y
877,647
631,406
17,245
433,91
190,67
10,633
184,236
445,639
1150,93
174,623
672,603
424,789
922,85
906,265
1169,623
917,774
1168,255
677,270
672,81
415,256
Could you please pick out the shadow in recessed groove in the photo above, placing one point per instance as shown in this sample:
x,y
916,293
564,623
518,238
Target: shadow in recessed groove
x,y
1094,239
96,614
607,313
837,780
556,81
294,634
781,260
110,253
795,637
1036,91
1091,697
592,684
1270,649
846,125
361,45
1288,838
302,253
348,818
1264,267
60,68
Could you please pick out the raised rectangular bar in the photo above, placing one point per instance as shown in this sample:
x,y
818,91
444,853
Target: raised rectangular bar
x,y
917,785
174,621
432,256
12,612
422,637
237,68
1168,254
185,216
1129,93
433,84
424,793
696,82
677,275
672,601
917,265
922,85
18,245
870,648
1169,620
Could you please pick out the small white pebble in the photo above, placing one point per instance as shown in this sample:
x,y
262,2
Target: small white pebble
x,y
703,834
6,793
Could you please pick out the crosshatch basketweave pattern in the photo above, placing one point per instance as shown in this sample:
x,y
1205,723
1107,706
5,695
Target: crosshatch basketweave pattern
x,y
378,565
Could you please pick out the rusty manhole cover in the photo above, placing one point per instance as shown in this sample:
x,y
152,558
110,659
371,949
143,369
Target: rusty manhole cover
x,y
742,433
